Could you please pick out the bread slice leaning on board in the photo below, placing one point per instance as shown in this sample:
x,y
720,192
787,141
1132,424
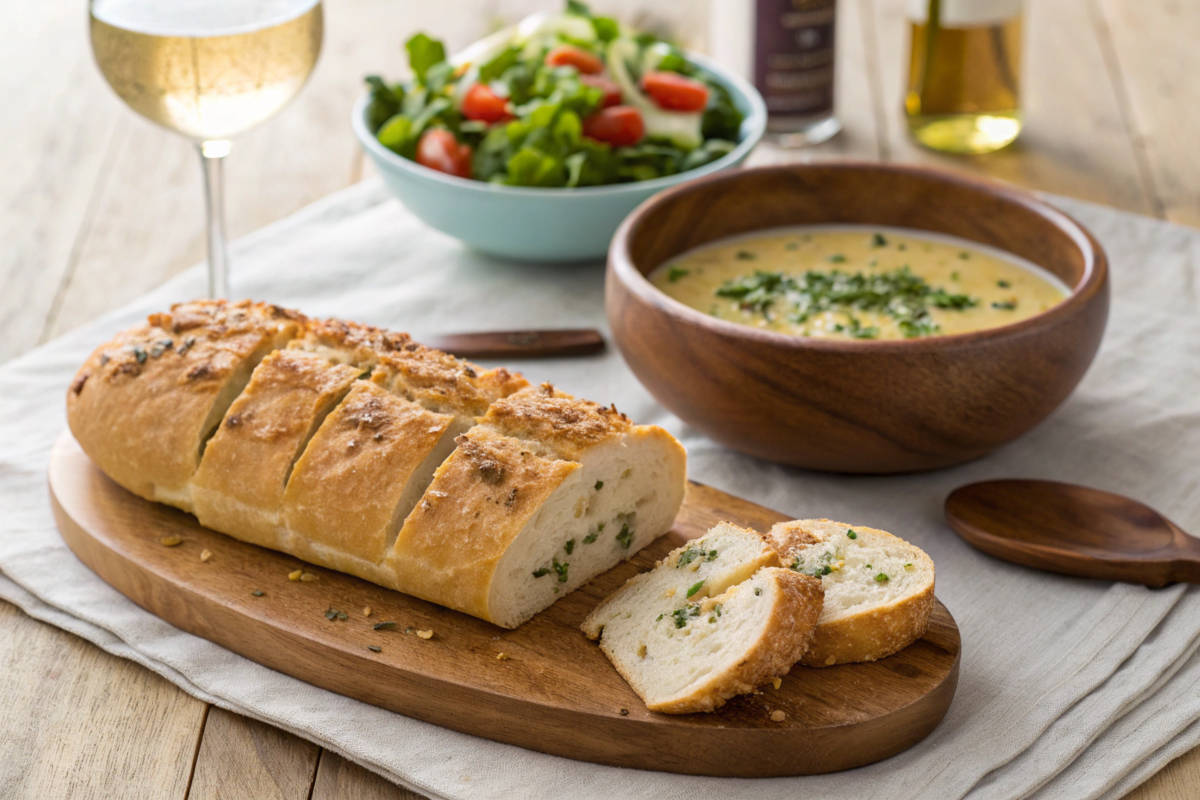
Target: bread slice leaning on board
x,y
714,619
360,450
878,588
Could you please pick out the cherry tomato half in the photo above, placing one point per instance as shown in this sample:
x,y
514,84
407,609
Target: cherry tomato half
x,y
674,92
481,103
568,56
612,92
438,149
620,126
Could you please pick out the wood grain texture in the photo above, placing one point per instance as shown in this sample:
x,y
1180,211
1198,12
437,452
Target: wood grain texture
x,y
1155,63
78,722
519,344
1074,141
240,757
1073,530
554,691
864,407
339,779
53,172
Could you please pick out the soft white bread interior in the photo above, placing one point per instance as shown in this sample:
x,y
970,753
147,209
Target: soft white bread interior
x,y
690,647
560,490
878,588
144,405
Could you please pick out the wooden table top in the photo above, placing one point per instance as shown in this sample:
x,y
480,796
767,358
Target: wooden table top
x,y
99,206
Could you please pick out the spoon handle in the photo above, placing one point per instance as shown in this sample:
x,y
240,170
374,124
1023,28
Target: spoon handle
x,y
1186,567
519,344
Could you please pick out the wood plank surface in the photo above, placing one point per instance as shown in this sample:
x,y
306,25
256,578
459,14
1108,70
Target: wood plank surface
x,y
1155,66
95,212
78,722
240,757
339,779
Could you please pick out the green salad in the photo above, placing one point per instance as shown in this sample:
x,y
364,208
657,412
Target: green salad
x,y
560,100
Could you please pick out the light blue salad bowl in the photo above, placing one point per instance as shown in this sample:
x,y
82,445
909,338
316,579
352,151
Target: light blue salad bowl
x,y
563,225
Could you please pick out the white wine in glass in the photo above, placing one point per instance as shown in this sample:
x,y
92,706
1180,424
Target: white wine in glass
x,y
208,69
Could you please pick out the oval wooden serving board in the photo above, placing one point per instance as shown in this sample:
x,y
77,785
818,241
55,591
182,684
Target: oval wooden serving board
x,y
555,692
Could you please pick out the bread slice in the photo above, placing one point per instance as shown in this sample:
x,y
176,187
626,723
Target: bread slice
x,y
878,588
543,495
360,476
690,649
144,405
239,487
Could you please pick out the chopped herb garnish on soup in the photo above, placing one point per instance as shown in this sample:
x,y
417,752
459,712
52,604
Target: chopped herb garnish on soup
x,y
675,273
846,284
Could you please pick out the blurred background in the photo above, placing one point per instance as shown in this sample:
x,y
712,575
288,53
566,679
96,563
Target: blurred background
x,y
100,205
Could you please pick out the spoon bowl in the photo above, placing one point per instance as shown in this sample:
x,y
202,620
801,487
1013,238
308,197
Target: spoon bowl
x,y
1073,530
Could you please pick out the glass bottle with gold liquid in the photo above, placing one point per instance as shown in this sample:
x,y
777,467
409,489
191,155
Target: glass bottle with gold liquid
x,y
964,81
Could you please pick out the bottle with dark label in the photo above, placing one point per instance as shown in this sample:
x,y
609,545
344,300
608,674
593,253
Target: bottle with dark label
x,y
786,49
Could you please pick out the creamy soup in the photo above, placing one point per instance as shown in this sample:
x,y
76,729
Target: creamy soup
x,y
858,282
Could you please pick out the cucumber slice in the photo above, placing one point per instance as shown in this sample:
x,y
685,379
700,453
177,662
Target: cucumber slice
x,y
680,128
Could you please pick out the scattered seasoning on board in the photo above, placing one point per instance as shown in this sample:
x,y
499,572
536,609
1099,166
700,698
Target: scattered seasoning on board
x,y
778,716
425,634
385,626
205,555
374,648
170,541
503,656
257,593
366,612
295,575
624,712
332,614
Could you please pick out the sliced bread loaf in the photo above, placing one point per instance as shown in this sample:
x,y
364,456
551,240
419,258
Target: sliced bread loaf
x,y
878,588
543,495
144,405
239,487
687,647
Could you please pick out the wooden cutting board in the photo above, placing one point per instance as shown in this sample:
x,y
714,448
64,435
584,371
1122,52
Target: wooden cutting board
x,y
543,686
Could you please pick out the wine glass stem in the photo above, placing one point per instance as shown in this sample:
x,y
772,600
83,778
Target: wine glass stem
x,y
211,156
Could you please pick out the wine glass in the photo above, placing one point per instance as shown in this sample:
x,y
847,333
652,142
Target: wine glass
x,y
208,69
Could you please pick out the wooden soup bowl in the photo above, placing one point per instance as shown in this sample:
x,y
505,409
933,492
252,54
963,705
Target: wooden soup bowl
x,y
855,406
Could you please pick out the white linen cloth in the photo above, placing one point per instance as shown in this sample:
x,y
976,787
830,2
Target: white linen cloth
x,y
1069,688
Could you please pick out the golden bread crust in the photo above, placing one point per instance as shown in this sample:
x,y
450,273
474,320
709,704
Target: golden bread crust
x,y
443,383
556,419
143,404
793,619
480,500
345,489
869,635
239,486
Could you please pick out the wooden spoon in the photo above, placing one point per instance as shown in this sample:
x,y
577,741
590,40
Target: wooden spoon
x,y
519,344
1073,530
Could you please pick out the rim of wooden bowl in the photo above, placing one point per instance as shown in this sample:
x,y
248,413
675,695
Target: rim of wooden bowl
x,y
1085,290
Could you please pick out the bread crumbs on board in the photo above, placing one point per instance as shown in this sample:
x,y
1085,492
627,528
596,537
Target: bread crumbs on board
x,y
778,716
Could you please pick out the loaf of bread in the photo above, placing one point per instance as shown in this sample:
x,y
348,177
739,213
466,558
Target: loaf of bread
x,y
360,450
878,588
714,619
